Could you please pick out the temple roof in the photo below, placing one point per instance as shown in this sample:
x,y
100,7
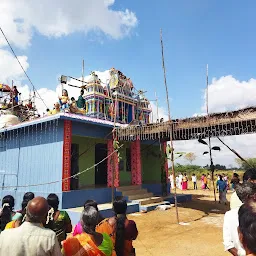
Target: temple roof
x,y
64,116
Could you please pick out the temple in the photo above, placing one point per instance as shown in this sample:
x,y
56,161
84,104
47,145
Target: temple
x,y
73,151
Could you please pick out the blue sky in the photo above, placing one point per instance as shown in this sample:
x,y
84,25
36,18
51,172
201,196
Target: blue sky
x,y
220,33
52,37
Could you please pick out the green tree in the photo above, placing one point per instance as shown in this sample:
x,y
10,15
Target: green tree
x,y
190,157
250,163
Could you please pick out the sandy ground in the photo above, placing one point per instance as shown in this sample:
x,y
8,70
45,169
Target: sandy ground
x,y
159,233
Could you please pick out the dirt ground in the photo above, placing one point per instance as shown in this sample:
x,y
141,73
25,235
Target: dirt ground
x,y
200,234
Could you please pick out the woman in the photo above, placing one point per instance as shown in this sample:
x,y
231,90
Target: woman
x,y
121,230
78,228
21,219
26,198
57,220
247,227
90,242
222,186
7,214
185,182
202,182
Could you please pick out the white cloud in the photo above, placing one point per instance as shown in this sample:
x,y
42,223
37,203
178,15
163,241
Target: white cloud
x,y
158,112
243,144
19,18
228,93
225,94
9,67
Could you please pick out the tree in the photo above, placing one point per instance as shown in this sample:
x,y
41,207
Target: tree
x,y
190,157
250,163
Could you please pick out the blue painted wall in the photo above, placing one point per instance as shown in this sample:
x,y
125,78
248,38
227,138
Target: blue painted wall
x,y
156,188
76,198
91,130
31,155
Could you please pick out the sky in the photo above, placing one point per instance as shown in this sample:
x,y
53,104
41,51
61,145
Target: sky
x,y
52,38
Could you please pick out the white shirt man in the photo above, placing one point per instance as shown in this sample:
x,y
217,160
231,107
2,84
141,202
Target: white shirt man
x,y
171,180
180,181
235,201
230,234
31,239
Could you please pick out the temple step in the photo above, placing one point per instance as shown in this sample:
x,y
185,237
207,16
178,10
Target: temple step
x,y
134,192
140,196
127,188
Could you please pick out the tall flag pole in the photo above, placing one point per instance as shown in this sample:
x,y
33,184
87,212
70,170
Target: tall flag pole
x,y
209,132
171,133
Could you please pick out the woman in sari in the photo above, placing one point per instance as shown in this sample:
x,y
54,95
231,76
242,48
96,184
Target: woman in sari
x,y
185,182
58,221
16,223
121,230
202,182
90,242
20,220
78,228
6,213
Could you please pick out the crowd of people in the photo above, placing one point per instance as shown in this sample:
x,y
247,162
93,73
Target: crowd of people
x,y
222,183
40,228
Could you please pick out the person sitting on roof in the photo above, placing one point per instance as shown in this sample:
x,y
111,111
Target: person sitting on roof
x,y
81,101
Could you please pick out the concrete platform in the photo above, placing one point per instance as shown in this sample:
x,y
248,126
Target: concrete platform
x,y
135,206
105,210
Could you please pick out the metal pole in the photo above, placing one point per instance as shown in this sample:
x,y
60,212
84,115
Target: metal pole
x,y
83,73
209,132
157,111
170,122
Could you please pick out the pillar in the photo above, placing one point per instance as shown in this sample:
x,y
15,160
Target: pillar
x,y
136,162
112,162
66,164
164,169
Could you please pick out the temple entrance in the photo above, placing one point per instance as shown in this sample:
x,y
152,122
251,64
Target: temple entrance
x,y
74,166
101,174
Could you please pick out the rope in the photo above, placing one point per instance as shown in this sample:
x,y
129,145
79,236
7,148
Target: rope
x,y
22,66
70,177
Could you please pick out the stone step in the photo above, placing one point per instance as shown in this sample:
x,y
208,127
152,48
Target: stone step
x,y
127,188
150,200
140,196
134,192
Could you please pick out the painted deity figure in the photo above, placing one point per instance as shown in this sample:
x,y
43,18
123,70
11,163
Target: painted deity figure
x,y
64,99
74,108
113,82
56,109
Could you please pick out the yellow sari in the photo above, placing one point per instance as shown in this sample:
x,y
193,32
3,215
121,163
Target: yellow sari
x,y
81,245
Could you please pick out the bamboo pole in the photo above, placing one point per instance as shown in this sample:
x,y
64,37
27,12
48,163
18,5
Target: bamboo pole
x,y
209,135
171,133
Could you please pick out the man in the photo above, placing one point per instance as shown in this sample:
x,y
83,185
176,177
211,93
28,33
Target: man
x,y
249,175
230,234
31,238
